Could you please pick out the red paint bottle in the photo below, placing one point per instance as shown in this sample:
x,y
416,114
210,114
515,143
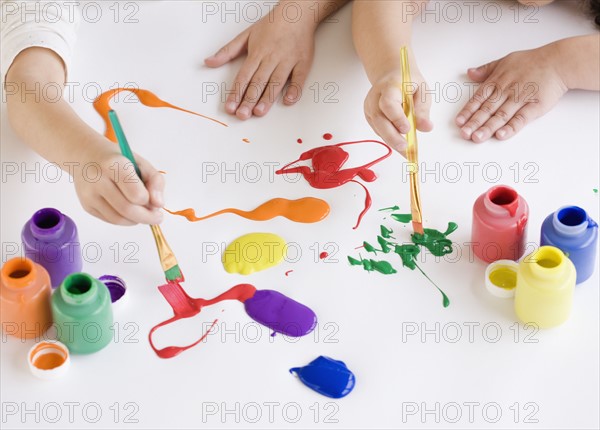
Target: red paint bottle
x,y
499,224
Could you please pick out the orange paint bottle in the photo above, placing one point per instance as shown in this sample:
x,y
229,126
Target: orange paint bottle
x,y
24,299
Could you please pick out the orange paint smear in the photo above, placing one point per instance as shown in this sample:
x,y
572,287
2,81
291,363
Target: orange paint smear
x,y
47,360
147,98
246,140
305,210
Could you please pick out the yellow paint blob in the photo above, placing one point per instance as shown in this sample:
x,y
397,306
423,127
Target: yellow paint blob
x,y
254,252
504,277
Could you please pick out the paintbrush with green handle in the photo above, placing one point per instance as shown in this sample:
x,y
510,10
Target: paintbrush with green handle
x,y
167,257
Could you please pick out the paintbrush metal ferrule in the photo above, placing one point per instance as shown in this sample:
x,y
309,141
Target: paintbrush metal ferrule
x,y
166,255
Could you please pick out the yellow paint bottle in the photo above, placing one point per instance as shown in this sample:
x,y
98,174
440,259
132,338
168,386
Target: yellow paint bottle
x,y
545,286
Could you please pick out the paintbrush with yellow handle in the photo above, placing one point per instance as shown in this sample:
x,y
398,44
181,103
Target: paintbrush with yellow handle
x,y
412,152
168,261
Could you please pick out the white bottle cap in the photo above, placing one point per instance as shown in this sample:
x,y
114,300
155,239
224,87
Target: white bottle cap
x,y
48,359
501,278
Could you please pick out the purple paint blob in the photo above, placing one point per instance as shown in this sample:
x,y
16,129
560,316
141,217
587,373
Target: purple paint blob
x,y
280,313
116,286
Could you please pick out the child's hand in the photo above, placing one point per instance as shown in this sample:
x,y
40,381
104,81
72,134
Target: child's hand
x,y
385,113
108,187
514,91
278,51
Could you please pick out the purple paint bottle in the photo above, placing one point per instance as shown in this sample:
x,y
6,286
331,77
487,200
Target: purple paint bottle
x,y
50,239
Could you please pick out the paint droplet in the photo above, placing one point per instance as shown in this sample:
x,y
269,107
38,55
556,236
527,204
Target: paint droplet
x,y
596,190
327,376
288,272
299,141
328,136
246,140
323,255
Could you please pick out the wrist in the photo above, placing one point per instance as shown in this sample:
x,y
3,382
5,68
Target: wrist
x,y
305,13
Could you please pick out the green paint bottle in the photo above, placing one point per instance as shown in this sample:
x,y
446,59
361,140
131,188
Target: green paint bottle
x,y
82,312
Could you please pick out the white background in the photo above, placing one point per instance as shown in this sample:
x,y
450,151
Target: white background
x,y
552,377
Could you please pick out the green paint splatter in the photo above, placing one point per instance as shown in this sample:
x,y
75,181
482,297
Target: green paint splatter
x,y
383,267
405,218
393,208
435,241
596,190
386,232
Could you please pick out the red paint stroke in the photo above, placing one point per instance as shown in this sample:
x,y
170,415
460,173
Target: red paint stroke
x,y
305,210
323,255
147,98
327,162
358,247
246,140
299,141
185,307
328,136
288,272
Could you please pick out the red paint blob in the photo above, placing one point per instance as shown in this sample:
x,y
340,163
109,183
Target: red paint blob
x,y
328,136
327,172
299,141
323,255
288,272
185,307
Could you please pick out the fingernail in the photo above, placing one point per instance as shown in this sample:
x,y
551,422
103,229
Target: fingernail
x,y
479,134
244,112
158,198
210,57
260,108
501,133
467,131
460,120
231,107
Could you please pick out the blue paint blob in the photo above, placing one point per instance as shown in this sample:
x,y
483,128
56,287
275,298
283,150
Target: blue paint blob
x,y
280,313
327,376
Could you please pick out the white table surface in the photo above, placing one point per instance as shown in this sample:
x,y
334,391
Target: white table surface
x,y
239,377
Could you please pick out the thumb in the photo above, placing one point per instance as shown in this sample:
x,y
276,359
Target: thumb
x,y
229,52
481,73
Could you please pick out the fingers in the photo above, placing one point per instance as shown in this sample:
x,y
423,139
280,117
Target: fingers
x,y
240,85
229,52
104,211
500,118
274,88
297,81
524,116
124,208
128,182
255,89
486,101
390,104
154,182
384,128
480,74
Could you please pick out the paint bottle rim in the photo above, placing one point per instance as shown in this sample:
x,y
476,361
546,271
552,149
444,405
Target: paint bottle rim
x,y
501,200
571,221
78,288
492,285
49,370
18,274
547,263
47,224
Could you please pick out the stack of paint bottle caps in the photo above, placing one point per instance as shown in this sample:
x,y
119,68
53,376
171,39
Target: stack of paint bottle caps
x,y
46,289
543,281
